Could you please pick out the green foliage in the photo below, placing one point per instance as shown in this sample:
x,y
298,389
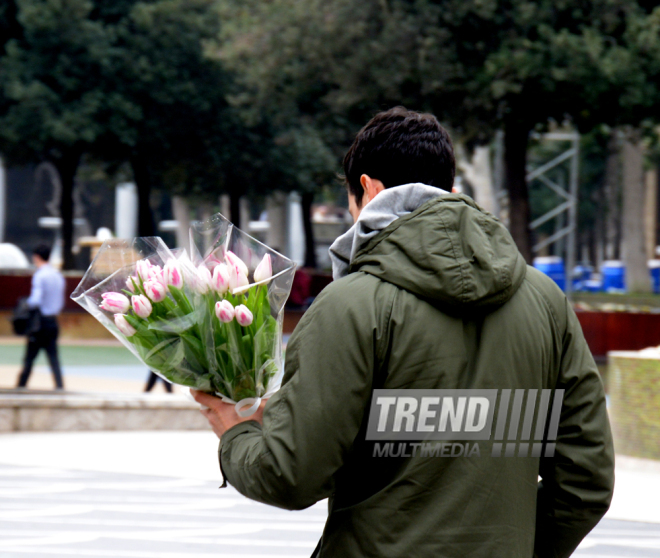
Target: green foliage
x,y
119,79
479,65
50,76
249,96
472,62
168,97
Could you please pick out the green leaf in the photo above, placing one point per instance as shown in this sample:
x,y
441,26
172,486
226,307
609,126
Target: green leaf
x,y
181,300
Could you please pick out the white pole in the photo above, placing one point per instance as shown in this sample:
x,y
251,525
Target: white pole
x,y
296,232
126,210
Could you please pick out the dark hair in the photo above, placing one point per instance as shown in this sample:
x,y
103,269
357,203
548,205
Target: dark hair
x,y
43,251
399,146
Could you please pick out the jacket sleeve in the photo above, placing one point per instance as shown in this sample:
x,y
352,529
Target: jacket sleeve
x,y
577,483
311,422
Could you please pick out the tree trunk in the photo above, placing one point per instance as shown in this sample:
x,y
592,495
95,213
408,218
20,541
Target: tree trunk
x,y
143,181
634,245
66,167
597,255
235,207
650,213
310,245
181,211
656,237
612,237
516,137
276,207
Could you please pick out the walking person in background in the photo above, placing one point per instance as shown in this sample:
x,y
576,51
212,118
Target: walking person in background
x,y
46,296
151,382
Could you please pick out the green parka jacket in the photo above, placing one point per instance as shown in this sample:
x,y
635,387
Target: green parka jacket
x,y
440,299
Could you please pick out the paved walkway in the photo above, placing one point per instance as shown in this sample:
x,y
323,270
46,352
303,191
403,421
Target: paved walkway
x,y
155,495
91,366
58,512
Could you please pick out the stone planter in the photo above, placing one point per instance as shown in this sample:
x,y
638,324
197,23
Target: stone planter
x,y
634,390
33,411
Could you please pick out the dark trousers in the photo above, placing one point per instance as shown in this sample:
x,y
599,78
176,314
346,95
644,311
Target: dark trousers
x,y
151,382
45,338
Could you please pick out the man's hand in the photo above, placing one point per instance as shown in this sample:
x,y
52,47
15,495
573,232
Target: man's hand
x,y
222,416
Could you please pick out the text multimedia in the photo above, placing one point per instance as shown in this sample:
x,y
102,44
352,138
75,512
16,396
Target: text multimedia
x,y
426,449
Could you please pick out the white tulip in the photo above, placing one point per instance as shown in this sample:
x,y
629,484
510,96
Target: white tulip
x,y
221,278
122,325
237,278
264,270
233,260
243,315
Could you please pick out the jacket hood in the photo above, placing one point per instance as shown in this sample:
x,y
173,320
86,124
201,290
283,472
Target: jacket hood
x,y
448,251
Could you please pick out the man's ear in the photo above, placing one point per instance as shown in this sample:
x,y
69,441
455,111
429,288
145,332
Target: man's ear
x,y
371,186
365,182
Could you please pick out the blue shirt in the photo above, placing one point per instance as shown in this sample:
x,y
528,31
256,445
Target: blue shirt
x,y
47,291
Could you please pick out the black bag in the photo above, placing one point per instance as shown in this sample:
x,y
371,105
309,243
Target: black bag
x,y
25,320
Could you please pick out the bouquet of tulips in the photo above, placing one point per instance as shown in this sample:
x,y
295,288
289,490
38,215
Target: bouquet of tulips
x,y
211,320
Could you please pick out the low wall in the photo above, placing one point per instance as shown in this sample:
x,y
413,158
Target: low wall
x,y
604,331
73,325
31,411
76,323
619,331
634,389
17,285
82,325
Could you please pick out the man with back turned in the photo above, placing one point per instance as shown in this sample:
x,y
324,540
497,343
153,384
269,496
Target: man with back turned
x,y
430,295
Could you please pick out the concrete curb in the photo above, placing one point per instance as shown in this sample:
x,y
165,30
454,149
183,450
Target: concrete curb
x,y
30,411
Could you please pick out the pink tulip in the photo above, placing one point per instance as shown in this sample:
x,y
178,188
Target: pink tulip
x,y
191,278
155,290
221,278
234,260
224,311
172,274
116,303
156,274
130,283
141,306
243,315
142,268
122,325
264,270
237,278
204,279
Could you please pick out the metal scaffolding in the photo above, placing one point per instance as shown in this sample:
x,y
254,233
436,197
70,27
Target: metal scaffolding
x,y
568,196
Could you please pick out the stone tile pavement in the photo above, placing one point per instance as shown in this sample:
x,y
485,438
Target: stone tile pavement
x,y
59,512
156,495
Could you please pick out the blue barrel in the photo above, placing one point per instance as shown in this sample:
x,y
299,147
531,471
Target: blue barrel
x,y
581,274
654,268
553,267
614,276
592,286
